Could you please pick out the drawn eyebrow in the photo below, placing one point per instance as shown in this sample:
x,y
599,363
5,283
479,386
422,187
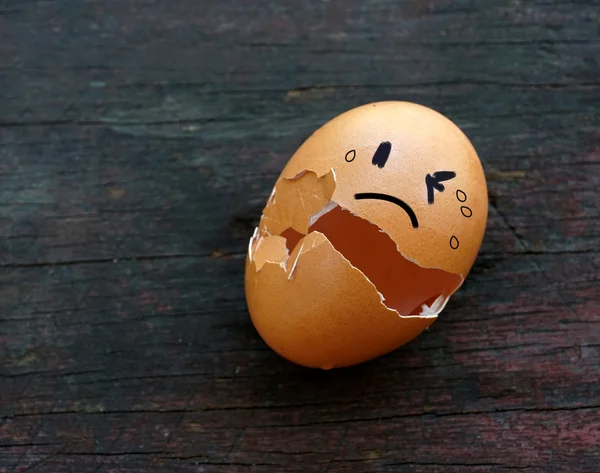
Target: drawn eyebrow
x,y
382,154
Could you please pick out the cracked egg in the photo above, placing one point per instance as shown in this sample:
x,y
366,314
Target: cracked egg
x,y
372,225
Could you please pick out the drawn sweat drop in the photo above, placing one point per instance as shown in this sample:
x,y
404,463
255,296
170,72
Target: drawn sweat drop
x,y
454,243
373,224
466,211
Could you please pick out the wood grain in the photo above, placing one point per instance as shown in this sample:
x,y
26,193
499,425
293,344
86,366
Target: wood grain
x,y
139,141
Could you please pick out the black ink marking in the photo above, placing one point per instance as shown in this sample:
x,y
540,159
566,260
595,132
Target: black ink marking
x,y
350,155
433,182
466,211
393,200
454,242
382,154
461,196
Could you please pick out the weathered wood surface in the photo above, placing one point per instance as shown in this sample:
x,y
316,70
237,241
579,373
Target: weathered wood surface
x,y
139,140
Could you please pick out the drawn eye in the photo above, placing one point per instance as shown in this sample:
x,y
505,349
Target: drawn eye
x,y
350,155
382,154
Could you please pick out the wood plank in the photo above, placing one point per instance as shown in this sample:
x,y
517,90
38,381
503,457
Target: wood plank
x,y
174,196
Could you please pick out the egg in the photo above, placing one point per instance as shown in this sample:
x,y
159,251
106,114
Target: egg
x,y
372,225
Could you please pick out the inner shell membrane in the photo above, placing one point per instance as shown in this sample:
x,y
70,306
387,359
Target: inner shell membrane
x,y
405,285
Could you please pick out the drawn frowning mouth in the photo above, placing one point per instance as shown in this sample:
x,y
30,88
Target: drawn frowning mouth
x,y
394,200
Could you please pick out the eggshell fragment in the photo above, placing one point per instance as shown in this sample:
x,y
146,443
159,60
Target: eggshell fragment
x,y
270,249
302,195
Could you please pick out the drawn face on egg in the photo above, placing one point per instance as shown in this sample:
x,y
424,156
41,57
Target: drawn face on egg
x,y
433,182
410,171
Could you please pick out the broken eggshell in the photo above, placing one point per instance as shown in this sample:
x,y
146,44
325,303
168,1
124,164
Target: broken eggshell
x,y
372,225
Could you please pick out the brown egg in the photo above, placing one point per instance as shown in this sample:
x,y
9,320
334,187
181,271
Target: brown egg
x,y
372,225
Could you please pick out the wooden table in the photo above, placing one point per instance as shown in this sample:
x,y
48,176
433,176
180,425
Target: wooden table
x,y
139,140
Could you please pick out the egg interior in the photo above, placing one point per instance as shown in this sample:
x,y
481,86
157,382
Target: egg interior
x,y
405,286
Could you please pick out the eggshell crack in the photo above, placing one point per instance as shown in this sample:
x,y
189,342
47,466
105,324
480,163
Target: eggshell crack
x,y
301,205
327,288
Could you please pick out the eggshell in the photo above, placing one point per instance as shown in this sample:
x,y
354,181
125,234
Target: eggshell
x,y
372,225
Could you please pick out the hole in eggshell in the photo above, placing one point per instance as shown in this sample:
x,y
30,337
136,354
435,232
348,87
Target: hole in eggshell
x,y
405,286
292,237
430,301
